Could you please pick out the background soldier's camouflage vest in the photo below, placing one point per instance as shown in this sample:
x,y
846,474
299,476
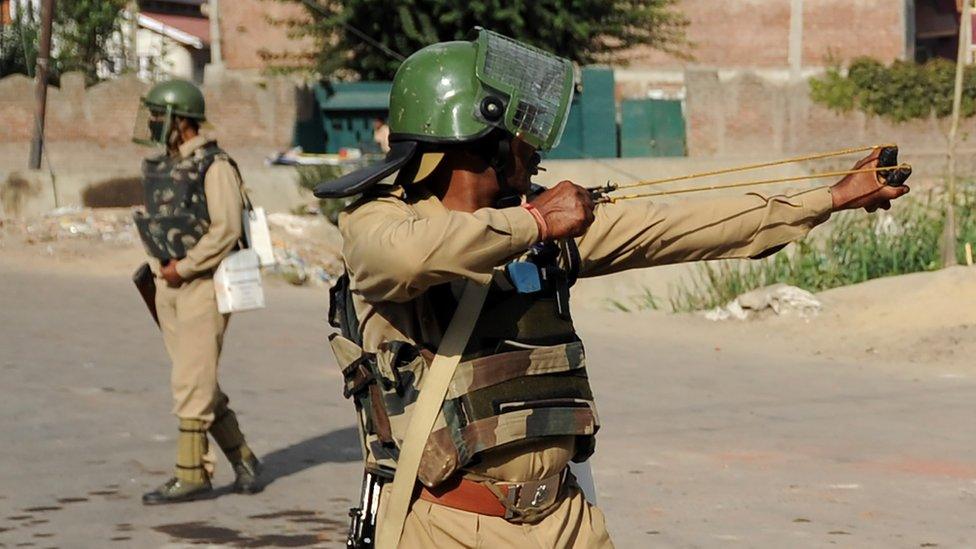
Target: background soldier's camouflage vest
x,y
522,376
176,214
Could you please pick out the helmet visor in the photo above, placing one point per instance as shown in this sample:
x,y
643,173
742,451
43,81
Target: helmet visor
x,y
152,124
535,88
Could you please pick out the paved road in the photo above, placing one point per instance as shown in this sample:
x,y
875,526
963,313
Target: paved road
x,y
705,443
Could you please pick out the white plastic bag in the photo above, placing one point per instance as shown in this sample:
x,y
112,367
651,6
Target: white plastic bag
x,y
237,282
258,235
584,478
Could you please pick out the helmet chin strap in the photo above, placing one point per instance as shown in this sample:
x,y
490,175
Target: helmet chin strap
x,y
500,160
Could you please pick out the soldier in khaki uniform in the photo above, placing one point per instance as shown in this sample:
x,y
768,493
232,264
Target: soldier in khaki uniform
x,y
193,220
466,121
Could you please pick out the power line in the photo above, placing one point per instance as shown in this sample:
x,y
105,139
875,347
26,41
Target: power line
x,y
365,37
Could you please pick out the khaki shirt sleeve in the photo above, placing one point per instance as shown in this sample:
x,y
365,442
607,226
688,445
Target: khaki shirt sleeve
x,y
393,254
225,206
629,235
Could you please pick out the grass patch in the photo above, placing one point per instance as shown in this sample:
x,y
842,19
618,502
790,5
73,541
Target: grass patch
x,y
856,248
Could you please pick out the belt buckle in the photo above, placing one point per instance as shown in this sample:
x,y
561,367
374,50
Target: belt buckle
x,y
532,495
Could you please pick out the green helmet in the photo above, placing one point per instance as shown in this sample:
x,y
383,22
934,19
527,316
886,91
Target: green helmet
x,y
457,92
164,101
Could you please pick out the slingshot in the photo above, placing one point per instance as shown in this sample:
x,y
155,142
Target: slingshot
x,y
893,174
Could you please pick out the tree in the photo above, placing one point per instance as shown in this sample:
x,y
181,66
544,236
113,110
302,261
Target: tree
x,y
82,35
18,44
901,92
369,38
83,32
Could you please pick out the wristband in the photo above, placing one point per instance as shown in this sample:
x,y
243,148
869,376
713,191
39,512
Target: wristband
x,y
539,220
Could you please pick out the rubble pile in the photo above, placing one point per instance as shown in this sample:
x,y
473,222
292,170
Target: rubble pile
x,y
781,299
73,223
307,248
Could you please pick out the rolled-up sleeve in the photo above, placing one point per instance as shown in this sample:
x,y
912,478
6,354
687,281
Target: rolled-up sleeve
x,y
628,235
393,254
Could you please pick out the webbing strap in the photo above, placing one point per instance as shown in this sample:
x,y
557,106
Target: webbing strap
x,y
428,405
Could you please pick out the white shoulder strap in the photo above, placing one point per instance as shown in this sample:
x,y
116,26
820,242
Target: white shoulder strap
x,y
438,377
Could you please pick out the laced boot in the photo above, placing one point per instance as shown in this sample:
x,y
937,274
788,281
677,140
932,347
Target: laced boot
x,y
247,468
191,481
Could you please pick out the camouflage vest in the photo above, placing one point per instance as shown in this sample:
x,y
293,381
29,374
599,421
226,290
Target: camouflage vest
x,y
176,215
522,376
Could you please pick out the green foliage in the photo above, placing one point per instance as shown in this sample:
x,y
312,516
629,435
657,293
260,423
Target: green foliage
x,y
852,250
582,30
310,176
901,91
18,44
640,302
82,29
80,34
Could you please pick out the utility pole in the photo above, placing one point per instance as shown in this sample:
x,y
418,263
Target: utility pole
x,y
132,59
795,51
213,13
962,59
40,90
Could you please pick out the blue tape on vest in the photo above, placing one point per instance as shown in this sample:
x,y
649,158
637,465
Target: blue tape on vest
x,y
524,276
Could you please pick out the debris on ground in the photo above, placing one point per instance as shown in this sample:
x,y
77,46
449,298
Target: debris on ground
x,y
307,248
72,223
782,299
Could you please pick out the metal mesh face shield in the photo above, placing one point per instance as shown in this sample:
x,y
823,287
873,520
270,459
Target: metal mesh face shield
x,y
528,90
152,124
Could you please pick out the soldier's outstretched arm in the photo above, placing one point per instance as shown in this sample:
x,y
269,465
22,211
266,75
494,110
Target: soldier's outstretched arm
x,y
224,204
394,255
633,235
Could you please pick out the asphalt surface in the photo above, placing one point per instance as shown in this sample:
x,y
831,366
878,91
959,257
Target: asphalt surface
x,y
705,443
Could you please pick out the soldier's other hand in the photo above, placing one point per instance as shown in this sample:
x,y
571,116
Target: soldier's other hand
x,y
865,190
169,272
567,209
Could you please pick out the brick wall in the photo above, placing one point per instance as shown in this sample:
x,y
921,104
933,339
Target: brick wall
x,y
747,114
242,113
246,30
755,33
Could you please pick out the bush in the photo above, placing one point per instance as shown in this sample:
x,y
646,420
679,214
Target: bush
x,y
901,91
855,248
310,176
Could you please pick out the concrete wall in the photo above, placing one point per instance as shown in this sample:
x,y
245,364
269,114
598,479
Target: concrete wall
x,y
242,113
89,131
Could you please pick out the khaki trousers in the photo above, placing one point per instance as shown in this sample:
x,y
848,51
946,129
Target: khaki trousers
x,y
193,331
574,524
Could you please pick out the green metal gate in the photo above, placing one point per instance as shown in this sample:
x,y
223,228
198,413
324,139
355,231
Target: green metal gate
x,y
652,127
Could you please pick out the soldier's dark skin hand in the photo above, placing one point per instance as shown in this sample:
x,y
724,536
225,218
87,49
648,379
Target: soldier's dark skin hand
x,y
865,190
173,278
567,209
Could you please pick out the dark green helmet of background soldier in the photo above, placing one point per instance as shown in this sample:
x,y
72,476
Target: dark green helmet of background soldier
x,y
159,107
181,97
458,92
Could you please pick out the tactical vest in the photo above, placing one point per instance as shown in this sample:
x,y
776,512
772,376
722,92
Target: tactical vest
x,y
522,375
176,215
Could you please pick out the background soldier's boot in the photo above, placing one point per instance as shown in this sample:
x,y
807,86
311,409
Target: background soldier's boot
x,y
191,481
227,433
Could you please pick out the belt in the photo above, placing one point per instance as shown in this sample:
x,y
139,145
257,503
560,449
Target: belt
x,y
493,498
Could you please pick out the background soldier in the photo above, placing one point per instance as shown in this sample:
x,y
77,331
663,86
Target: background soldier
x,y
466,120
193,220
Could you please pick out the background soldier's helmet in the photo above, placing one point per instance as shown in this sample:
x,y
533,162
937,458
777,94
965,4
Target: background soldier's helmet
x,y
458,92
161,104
